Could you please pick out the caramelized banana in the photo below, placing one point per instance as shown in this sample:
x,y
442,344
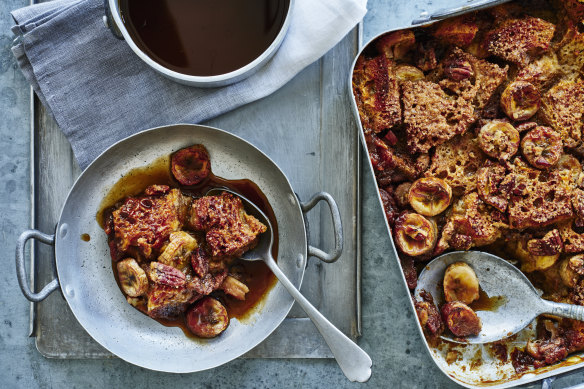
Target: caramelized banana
x,y
460,283
414,234
529,261
430,196
572,270
520,100
460,319
542,147
207,318
132,278
408,73
191,165
499,140
178,251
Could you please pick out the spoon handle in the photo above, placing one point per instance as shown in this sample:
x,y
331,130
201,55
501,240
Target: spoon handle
x,y
569,311
353,361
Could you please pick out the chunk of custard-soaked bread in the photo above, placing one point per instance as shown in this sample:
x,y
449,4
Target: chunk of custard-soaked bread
x,y
542,72
571,53
229,230
167,302
377,93
458,31
538,198
457,162
575,10
573,240
473,79
469,223
519,40
385,158
431,117
562,108
142,225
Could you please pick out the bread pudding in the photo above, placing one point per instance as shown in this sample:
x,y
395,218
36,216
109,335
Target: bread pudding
x,y
474,128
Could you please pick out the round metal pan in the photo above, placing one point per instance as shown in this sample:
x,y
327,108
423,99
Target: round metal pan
x,y
84,268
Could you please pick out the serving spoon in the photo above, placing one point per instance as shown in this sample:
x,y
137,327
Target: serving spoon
x,y
518,302
353,361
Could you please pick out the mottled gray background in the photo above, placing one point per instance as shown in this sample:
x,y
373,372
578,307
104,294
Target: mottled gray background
x,y
399,359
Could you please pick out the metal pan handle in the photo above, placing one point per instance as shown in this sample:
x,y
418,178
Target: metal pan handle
x,y
109,21
21,268
445,13
337,227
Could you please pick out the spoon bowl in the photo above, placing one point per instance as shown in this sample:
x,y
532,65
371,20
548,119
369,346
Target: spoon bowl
x,y
519,301
353,361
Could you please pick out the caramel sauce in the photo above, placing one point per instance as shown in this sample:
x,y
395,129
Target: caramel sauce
x,y
203,37
85,237
486,303
259,278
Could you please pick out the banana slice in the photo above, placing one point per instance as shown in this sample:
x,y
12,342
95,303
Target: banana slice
x,y
499,140
571,270
529,261
460,319
408,73
542,147
414,234
520,100
207,318
132,278
430,196
460,283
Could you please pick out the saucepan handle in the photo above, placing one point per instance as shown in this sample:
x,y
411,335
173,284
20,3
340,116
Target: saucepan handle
x,y
109,21
337,227
446,13
21,268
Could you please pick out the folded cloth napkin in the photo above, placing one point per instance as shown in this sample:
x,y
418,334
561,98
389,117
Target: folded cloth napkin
x,y
99,91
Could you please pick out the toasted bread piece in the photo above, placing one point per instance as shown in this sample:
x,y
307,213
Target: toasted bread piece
x,y
457,162
573,241
142,225
571,53
541,72
562,107
230,231
396,44
538,198
431,117
473,79
458,31
469,223
519,40
377,93
574,9
385,157
489,77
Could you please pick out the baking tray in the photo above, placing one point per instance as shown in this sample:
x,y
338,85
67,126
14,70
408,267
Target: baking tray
x,y
307,130
490,372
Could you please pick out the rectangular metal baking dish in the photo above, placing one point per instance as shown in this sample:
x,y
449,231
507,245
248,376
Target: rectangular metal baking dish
x,y
327,157
495,374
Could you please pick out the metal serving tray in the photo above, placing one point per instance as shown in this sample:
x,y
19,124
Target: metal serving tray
x,y
307,130
489,371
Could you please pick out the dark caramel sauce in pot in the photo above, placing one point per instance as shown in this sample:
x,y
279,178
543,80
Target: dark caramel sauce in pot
x,y
259,279
203,37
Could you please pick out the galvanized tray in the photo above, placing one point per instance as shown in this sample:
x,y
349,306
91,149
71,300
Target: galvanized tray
x,y
307,130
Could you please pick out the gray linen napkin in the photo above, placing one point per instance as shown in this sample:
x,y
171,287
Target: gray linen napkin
x,y
99,91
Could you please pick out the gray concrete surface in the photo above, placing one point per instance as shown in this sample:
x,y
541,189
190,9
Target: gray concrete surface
x,y
389,336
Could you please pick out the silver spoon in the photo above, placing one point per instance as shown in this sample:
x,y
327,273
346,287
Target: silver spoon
x,y
353,361
519,301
